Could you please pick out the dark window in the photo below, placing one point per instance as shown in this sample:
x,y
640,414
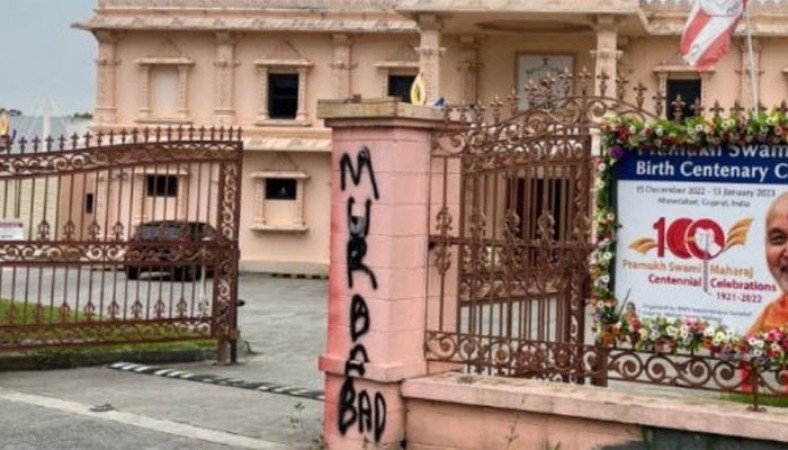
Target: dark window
x,y
280,188
689,90
161,186
89,203
399,86
282,95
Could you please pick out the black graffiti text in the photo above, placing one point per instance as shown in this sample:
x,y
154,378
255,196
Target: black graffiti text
x,y
359,407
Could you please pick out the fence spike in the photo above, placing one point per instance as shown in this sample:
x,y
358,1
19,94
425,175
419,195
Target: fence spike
x,y
36,141
716,109
99,138
622,80
145,134
678,108
640,97
48,143
659,102
158,133
495,109
737,109
603,78
585,78
111,137
87,138
697,108
566,79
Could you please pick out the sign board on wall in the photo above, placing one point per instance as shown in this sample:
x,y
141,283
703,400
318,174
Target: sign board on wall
x,y
692,241
12,230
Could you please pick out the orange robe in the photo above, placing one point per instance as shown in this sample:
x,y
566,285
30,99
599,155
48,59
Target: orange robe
x,y
775,315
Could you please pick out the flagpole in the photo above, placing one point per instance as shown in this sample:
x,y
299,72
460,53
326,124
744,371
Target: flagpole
x,y
753,85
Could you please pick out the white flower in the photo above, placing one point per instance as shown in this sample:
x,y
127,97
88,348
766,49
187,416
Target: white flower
x,y
721,336
659,131
709,332
757,352
672,331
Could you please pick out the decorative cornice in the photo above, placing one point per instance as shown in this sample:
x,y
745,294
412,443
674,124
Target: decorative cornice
x,y
285,54
387,24
250,4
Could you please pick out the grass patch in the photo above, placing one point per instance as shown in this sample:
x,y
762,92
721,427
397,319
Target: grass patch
x,y
763,400
126,338
26,313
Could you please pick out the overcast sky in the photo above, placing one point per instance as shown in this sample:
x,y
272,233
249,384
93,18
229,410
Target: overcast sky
x,y
42,56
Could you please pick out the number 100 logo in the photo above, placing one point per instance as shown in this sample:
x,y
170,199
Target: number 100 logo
x,y
687,238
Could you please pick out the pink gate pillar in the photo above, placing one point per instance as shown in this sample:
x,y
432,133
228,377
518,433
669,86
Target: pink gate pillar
x,y
380,187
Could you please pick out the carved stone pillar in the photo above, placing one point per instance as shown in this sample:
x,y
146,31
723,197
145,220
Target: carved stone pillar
x,y
745,85
342,66
301,112
262,80
107,61
468,68
429,54
183,78
605,56
224,76
144,111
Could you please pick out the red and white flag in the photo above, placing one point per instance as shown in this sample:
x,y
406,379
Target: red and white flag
x,y
708,30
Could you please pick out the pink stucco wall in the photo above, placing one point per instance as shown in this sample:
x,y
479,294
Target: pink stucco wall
x,y
466,412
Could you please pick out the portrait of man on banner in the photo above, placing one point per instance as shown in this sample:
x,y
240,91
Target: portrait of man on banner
x,y
776,251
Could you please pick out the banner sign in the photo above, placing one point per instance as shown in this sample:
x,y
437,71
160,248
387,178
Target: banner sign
x,y
693,237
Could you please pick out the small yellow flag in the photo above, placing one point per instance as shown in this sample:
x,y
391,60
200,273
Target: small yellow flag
x,y
418,94
4,123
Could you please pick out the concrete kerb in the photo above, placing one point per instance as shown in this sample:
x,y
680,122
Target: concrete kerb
x,y
71,358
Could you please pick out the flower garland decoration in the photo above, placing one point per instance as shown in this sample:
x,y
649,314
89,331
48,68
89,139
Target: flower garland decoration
x,y
613,326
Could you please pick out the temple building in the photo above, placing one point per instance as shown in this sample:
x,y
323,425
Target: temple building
x,y
262,65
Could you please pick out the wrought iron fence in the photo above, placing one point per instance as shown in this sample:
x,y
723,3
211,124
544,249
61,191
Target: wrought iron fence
x,y
128,236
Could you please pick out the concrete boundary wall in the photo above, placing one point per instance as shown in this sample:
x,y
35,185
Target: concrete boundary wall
x,y
455,411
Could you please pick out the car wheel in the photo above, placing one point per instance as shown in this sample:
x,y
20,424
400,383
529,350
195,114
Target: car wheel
x,y
187,273
132,273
